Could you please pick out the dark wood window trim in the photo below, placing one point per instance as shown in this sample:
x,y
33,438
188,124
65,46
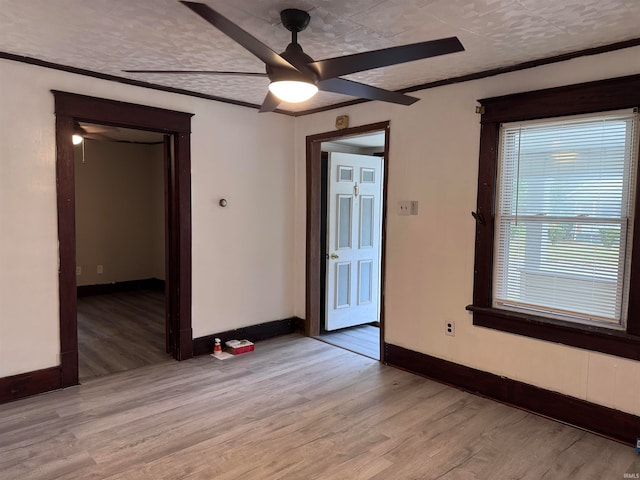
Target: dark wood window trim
x,y
71,108
599,96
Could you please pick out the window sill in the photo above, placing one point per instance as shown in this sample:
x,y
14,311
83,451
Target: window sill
x,y
597,339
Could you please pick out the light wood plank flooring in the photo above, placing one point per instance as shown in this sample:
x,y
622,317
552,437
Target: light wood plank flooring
x,y
296,408
120,331
362,339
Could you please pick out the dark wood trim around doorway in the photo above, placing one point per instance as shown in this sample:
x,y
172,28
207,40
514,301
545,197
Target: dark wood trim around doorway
x,y
315,256
71,108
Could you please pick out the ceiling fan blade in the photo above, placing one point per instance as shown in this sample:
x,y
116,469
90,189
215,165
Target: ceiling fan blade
x,y
200,72
241,36
355,89
99,137
270,103
358,62
90,128
92,134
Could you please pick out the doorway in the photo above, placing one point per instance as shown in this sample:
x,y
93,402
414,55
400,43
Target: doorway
x,y
120,248
341,307
71,109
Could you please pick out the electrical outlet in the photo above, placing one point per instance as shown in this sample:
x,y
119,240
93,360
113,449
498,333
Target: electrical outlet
x,y
451,329
78,270
100,269
404,207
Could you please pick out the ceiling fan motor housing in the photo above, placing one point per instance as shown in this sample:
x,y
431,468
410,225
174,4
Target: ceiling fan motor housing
x,y
296,56
294,20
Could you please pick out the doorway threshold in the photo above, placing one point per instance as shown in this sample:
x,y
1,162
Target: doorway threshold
x,y
361,339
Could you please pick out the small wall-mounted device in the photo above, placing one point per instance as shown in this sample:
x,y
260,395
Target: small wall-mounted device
x,y
408,207
450,329
342,121
222,202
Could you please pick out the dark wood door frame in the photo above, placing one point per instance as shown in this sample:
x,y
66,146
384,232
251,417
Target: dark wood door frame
x,y
315,256
166,165
71,108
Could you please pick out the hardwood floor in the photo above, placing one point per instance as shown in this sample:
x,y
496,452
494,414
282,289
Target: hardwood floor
x,y
296,408
120,331
362,339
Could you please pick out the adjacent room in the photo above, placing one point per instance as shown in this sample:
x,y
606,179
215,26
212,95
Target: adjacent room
x,y
351,216
423,215
120,249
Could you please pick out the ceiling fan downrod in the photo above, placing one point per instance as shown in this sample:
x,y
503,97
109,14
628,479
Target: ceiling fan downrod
x,y
295,21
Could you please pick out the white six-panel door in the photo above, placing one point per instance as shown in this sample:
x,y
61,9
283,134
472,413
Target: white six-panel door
x,y
353,240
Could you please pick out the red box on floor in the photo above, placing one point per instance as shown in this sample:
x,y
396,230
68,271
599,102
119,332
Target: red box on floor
x,y
236,347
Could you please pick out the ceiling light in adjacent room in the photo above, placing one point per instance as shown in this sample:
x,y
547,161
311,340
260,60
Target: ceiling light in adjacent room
x,y
76,139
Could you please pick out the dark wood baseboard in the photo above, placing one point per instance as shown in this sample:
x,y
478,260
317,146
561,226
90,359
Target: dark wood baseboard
x,y
40,381
608,422
299,324
29,383
253,333
127,286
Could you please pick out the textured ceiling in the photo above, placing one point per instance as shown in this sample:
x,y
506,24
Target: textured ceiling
x,y
108,36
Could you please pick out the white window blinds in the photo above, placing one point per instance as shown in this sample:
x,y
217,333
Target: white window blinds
x,y
563,217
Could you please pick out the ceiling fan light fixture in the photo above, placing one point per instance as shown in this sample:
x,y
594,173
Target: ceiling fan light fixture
x,y
296,77
293,91
76,139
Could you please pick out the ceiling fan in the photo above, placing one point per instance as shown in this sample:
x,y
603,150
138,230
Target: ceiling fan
x,y
296,77
91,132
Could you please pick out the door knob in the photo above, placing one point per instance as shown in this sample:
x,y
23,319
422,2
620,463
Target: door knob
x,y
334,256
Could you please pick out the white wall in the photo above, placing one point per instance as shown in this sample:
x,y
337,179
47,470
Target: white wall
x,y
242,255
430,257
249,258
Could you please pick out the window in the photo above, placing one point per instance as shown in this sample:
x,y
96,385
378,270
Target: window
x,y
564,196
556,256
